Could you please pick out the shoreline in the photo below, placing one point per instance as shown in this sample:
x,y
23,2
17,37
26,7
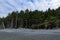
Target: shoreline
x,y
28,34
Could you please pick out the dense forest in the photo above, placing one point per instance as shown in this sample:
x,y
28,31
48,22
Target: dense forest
x,y
49,19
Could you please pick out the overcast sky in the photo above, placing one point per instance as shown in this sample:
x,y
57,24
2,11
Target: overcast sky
x,y
7,6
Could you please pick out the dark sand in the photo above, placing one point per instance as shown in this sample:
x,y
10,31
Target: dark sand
x,y
27,34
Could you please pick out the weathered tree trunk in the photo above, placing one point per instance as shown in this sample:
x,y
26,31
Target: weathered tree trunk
x,y
3,25
11,23
16,22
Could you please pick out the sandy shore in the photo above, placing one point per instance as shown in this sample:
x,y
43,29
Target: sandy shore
x,y
29,34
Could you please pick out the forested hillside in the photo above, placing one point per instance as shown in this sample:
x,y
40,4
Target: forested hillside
x,y
49,19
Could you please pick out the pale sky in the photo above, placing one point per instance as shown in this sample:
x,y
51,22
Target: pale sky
x,y
7,6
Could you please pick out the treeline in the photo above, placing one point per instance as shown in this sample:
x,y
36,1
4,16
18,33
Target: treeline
x,y
49,19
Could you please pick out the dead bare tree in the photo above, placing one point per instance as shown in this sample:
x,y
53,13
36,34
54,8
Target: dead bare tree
x,y
3,25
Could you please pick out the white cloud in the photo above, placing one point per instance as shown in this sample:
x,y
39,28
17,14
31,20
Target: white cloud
x,y
7,6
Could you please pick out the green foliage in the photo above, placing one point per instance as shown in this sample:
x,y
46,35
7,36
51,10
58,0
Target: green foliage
x,y
33,19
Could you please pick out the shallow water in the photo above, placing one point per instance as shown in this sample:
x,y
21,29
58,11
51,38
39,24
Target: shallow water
x,y
29,34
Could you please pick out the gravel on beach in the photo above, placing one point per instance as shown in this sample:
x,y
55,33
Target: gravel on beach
x,y
29,34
